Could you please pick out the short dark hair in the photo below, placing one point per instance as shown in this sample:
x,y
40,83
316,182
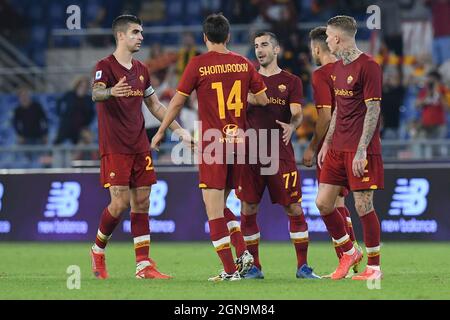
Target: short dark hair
x,y
216,28
435,74
271,35
345,23
319,35
121,23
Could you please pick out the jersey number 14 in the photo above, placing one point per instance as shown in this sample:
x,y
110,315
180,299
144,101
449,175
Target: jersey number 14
x,y
234,101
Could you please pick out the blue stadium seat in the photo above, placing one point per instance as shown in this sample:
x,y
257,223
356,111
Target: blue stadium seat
x,y
174,11
36,11
39,35
57,14
193,13
92,8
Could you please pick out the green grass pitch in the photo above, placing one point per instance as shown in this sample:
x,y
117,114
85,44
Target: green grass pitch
x,y
413,270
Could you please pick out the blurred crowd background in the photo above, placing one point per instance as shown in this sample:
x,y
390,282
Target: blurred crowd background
x,y
47,117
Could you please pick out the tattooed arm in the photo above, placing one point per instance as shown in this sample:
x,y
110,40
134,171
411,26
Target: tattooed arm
x,y
159,110
370,124
101,93
172,111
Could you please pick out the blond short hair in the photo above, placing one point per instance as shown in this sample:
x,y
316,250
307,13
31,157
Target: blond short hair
x,y
345,23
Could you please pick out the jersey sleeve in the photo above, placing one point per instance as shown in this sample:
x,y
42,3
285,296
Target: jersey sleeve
x,y
101,73
371,81
256,81
321,91
148,85
189,79
296,92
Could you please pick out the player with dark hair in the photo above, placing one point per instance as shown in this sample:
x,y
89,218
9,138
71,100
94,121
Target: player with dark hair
x,y
282,114
351,152
121,84
222,80
323,93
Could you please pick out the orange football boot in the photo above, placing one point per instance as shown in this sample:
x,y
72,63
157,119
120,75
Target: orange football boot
x,y
98,262
345,263
150,272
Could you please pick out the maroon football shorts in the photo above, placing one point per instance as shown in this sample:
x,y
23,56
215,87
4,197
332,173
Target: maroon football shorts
x,y
218,176
337,170
284,186
344,191
133,170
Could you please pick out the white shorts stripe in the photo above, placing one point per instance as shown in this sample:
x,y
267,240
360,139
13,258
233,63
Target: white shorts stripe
x,y
299,235
252,237
341,240
221,242
373,249
233,224
142,238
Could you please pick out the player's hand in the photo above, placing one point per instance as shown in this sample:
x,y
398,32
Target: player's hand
x,y
359,163
308,157
156,140
288,129
322,153
187,139
121,88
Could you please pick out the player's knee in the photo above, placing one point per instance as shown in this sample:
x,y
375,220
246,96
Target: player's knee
x,y
294,209
249,209
117,207
141,205
325,207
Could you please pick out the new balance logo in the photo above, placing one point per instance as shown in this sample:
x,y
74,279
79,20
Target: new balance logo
x,y
158,198
309,191
63,199
410,197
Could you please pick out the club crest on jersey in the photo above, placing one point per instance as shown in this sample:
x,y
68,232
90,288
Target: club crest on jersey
x,y
349,79
282,88
333,77
98,74
141,77
231,130
112,175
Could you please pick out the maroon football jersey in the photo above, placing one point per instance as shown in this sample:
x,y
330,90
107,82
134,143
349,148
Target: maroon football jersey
x,y
355,84
222,82
322,83
323,92
120,120
283,89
